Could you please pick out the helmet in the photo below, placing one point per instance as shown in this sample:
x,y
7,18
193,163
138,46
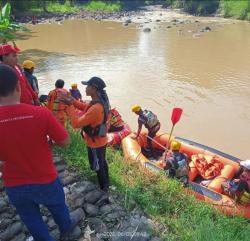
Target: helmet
x,y
28,64
136,108
245,164
175,145
74,85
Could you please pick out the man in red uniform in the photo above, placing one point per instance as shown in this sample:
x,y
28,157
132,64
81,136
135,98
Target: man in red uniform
x,y
28,171
8,56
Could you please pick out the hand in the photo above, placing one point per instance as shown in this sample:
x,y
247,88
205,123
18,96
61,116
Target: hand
x,y
65,98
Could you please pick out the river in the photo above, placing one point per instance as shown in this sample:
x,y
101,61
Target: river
x,y
207,74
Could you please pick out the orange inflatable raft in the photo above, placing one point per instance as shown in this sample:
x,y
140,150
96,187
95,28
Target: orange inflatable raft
x,y
212,193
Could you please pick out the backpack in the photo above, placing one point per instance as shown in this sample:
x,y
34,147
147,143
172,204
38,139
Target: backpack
x,y
152,119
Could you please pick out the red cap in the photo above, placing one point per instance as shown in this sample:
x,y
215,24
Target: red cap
x,y
7,49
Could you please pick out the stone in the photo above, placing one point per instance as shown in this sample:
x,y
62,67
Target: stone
x,y
105,209
78,202
147,30
93,196
51,223
91,209
83,187
4,223
11,231
68,180
3,204
19,237
78,214
55,233
61,167
98,225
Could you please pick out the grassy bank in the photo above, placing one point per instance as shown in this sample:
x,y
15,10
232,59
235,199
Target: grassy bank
x,y
181,216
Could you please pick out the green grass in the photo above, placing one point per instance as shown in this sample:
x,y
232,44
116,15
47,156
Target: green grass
x,y
62,8
103,6
181,216
239,9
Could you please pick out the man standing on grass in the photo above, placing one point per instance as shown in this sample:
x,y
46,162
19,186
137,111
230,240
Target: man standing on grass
x,y
28,171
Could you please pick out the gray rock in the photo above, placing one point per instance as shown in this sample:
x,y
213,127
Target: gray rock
x,y
105,209
51,223
4,223
78,202
11,231
91,209
78,214
155,239
83,187
157,20
103,200
123,225
93,196
98,225
55,233
68,180
128,21
61,167
57,159
208,29
112,216
147,30
3,204
19,237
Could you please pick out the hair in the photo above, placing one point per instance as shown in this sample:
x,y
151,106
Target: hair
x,y
102,94
59,83
8,80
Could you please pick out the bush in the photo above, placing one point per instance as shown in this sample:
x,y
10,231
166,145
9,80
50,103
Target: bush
x,y
201,7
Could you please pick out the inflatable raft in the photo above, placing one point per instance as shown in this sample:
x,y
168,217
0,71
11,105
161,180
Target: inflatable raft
x,y
213,194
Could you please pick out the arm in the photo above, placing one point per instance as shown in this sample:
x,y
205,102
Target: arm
x,y
80,105
55,130
82,121
139,129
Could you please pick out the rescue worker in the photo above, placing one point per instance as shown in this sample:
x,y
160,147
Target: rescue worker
x,y
29,174
242,178
75,92
58,109
94,125
150,121
176,163
28,68
8,56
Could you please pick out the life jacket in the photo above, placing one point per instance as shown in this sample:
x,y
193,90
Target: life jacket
x,y
99,130
178,164
115,118
151,119
56,105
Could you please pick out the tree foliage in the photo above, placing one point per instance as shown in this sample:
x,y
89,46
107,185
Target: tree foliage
x,y
8,28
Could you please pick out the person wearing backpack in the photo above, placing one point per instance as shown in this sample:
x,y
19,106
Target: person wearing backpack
x,y
150,121
94,125
58,109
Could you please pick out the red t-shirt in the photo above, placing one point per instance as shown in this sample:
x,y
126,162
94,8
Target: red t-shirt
x,y
24,149
27,93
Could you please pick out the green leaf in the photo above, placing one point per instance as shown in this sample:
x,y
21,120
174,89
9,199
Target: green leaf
x,y
6,11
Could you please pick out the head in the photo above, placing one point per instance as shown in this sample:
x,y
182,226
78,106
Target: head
x,y
9,85
74,86
246,165
94,85
136,109
59,84
8,54
28,65
175,145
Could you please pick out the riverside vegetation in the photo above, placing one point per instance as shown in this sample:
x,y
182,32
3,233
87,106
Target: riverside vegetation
x,y
179,216
239,9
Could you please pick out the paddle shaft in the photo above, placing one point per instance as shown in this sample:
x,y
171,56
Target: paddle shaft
x,y
159,144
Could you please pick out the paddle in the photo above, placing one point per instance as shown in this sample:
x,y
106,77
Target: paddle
x,y
176,115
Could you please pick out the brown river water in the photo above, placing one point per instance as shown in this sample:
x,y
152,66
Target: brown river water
x,y
208,75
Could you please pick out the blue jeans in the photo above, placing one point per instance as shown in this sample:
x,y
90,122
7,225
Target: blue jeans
x,y
26,199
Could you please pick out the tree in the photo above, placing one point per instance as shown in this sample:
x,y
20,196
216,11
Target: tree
x,y
8,29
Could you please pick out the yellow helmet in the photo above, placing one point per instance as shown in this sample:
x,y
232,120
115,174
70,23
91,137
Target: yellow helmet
x,y
136,108
175,145
28,64
74,85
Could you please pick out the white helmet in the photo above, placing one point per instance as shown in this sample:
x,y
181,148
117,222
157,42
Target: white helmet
x,y
245,164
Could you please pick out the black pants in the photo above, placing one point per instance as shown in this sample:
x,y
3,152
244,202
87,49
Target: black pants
x,y
99,164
